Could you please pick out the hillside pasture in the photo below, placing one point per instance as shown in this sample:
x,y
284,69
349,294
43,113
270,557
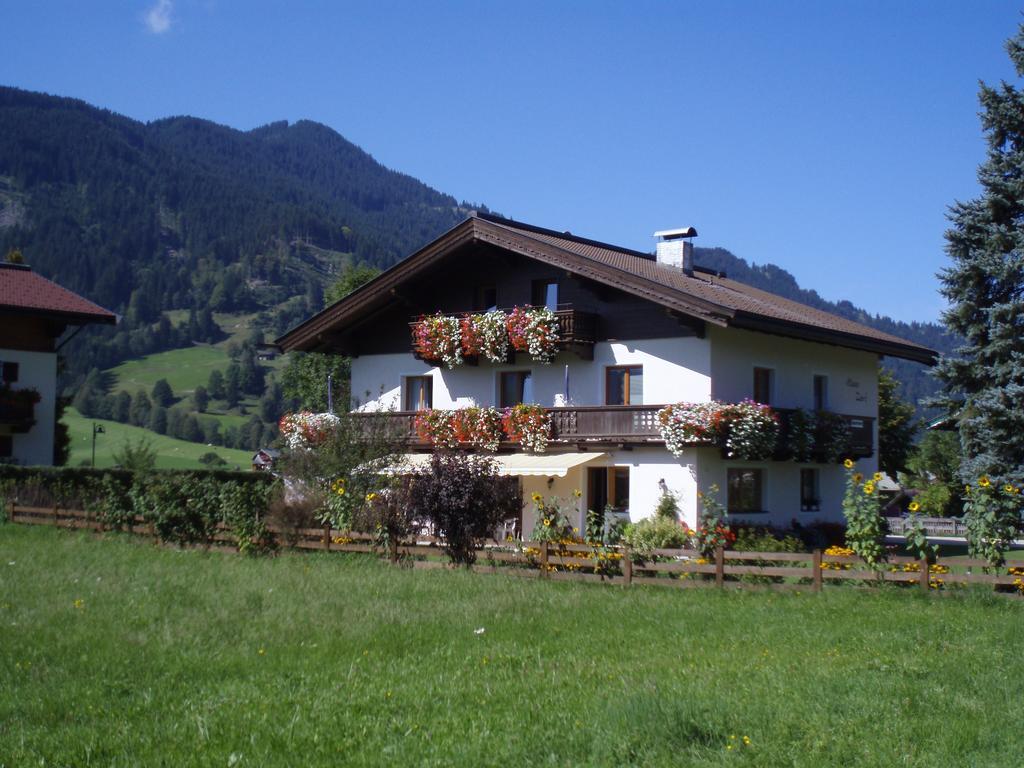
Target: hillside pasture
x,y
171,453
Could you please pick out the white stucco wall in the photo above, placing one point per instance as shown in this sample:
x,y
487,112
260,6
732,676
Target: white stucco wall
x,y
781,488
38,371
852,375
674,370
682,369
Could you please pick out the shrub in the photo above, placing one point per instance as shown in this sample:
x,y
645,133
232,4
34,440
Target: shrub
x,y
465,500
653,533
668,506
712,529
138,456
765,539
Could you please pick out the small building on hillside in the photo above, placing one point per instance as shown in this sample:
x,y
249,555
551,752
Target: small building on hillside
x,y
34,314
263,460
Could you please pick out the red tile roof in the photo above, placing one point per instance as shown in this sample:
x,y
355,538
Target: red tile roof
x,y
22,291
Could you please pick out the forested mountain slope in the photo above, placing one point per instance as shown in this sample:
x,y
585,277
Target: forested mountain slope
x,y
185,214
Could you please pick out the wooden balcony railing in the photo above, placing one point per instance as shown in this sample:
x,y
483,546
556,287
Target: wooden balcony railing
x,y
577,331
631,425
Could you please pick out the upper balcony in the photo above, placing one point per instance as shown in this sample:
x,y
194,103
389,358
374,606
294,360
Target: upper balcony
x,y
634,426
577,333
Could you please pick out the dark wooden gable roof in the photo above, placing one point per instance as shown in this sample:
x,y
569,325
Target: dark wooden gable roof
x,y
706,297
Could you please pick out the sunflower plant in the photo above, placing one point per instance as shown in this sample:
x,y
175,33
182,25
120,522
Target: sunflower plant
x,y
865,533
992,516
551,523
917,537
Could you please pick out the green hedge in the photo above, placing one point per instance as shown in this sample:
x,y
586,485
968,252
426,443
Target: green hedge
x,y
184,506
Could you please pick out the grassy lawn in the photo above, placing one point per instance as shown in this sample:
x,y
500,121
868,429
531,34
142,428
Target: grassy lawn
x,y
171,453
114,652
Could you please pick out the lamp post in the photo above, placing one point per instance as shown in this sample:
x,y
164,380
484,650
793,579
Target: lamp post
x,y
97,429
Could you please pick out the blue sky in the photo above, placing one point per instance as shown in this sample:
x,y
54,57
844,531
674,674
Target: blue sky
x,y
825,137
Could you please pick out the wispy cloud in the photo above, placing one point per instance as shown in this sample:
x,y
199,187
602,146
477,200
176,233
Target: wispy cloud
x,y
158,18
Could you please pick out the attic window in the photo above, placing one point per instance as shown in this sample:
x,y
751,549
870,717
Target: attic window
x,y
545,294
8,372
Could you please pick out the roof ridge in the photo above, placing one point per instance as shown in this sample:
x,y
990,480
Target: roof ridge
x,y
566,235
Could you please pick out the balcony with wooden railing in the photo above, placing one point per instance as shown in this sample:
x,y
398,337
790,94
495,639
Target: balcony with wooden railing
x,y
577,332
625,425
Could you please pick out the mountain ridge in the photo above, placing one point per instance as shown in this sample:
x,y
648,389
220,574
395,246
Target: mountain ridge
x,y
184,213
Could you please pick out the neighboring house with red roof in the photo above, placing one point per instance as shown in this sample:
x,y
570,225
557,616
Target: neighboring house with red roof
x,y
636,332
34,314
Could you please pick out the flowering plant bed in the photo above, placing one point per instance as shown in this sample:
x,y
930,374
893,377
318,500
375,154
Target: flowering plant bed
x,y
530,425
305,430
746,430
480,427
485,335
534,330
438,337
485,428
437,427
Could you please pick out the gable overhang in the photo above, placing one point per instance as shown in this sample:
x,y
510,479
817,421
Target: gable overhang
x,y
312,334
322,331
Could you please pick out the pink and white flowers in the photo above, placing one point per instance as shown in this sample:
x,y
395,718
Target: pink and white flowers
x,y
304,430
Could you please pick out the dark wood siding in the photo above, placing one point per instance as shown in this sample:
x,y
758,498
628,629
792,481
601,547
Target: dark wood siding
x,y
452,288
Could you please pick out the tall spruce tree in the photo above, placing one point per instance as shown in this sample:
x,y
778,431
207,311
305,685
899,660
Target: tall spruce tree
x,y
984,378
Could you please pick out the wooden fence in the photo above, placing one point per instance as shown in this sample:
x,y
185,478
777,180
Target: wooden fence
x,y
681,568
933,526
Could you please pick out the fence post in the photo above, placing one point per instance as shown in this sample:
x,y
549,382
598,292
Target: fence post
x,y
923,575
543,559
627,566
817,578
327,537
719,567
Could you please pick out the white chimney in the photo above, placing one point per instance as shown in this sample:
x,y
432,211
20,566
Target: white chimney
x,y
675,248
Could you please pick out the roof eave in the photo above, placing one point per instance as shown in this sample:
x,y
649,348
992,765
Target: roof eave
x,y
72,318
763,324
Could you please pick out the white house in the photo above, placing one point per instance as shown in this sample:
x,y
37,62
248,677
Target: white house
x,y
34,313
636,332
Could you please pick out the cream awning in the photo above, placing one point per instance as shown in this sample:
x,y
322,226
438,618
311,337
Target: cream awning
x,y
545,464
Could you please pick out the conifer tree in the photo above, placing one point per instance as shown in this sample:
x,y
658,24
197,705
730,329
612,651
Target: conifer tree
x,y
984,378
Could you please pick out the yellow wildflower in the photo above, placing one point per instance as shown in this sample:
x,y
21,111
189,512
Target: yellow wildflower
x,y
1008,488
577,492
371,496
537,498
848,463
79,603
857,477
547,522
984,482
869,488
914,506
877,476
